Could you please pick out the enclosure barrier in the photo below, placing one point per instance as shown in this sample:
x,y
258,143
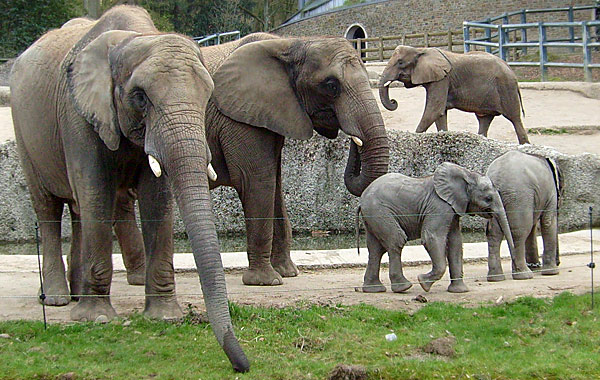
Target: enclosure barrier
x,y
497,38
378,45
216,39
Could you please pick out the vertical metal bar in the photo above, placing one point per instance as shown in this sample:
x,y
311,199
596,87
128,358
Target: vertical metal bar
x,y
450,43
218,39
571,28
359,48
543,52
466,38
426,39
381,49
591,265
501,42
587,57
488,36
404,39
42,294
524,30
505,18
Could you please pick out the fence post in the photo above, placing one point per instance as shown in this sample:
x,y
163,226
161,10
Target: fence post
x,y
426,39
571,28
404,39
501,42
524,30
381,49
466,33
450,44
488,36
587,72
543,52
505,18
359,47
218,39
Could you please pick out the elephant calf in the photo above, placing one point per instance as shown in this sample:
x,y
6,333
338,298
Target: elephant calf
x,y
473,82
396,208
530,188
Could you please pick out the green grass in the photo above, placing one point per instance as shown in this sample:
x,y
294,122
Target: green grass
x,y
526,339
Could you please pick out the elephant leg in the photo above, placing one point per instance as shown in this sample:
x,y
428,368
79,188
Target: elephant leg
x,y
494,237
55,286
371,281
435,244
75,271
549,227
399,282
520,271
435,103
519,128
442,122
282,233
484,123
454,252
156,212
531,250
129,237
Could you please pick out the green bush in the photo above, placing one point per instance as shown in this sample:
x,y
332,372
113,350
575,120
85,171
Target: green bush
x,y
24,21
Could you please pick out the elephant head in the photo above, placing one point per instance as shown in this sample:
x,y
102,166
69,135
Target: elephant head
x,y
413,67
292,86
470,193
152,90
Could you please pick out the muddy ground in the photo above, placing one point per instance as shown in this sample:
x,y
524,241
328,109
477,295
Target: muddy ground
x,y
322,287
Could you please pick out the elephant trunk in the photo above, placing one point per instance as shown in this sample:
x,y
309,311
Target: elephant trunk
x,y
500,216
183,152
359,116
384,92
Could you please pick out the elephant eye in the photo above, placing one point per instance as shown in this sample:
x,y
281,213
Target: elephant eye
x,y
331,86
139,100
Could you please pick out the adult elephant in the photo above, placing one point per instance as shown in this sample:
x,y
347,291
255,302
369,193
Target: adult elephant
x,y
530,187
475,82
269,88
91,105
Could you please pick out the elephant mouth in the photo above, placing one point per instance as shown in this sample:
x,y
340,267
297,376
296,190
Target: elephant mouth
x,y
325,123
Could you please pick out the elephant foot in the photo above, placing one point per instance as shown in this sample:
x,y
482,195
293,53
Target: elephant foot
x,y
550,271
91,309
425,282
164,308
495,276
373,287
137,277
457,286
525,274
265,276
56,293
285,267
401,285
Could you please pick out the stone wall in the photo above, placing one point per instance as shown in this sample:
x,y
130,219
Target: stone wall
x,y
396,17
314,187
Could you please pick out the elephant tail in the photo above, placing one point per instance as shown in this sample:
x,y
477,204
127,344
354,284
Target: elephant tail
x,y
357,229
521,101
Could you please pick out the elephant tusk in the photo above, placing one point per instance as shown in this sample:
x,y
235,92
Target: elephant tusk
x,y
357,141
212,174
155,166
387,83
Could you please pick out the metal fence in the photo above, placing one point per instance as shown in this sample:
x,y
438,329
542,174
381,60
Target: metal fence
x,y
217,38
500,38
375,49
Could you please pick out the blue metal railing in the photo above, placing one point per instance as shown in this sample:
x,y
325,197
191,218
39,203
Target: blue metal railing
x,y
497,41
215,39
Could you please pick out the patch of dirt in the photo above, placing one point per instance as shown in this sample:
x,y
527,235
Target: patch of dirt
x,y
441,346
325,287
348,372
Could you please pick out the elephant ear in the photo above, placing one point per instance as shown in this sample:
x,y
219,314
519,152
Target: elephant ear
x,y
451,183
90,83
431,66
558,180
252,86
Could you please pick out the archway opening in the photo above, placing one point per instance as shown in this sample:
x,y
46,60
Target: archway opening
x,y
355,32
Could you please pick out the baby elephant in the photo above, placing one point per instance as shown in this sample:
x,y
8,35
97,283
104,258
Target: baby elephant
x,y
396,208
530,188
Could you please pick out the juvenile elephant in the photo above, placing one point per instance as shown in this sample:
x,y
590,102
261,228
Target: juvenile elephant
x,y
396,208
530,188
473,82
102,107
269,88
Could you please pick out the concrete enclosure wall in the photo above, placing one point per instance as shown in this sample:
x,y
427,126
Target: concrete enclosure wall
x,y
314,188
397,17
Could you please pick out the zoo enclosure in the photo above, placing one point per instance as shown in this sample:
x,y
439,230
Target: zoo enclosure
x,y
378,46
499,38
216,39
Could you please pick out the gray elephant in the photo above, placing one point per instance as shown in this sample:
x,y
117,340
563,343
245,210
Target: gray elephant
x,y
269,88
475,82
100,108
530,188
396,208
